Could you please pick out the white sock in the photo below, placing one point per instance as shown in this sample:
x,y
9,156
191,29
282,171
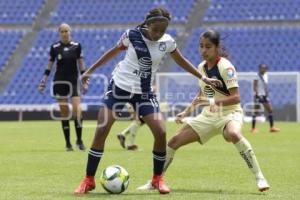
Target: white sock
x,y
133,127
169,157
125,131
245,150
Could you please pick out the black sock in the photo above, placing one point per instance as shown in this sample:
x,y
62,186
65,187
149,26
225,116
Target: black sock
x,y
271,120
253,121
66,129
78,128
94,157
159,159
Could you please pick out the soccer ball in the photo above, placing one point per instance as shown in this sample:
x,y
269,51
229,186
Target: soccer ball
x,y
114,179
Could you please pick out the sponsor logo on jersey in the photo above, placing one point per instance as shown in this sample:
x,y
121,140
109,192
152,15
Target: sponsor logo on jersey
x,y
137,48
162,46
145,63
66,49
141,74
56,45
209,92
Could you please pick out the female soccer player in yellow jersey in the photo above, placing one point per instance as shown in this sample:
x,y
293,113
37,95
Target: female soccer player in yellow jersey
x,y
222,112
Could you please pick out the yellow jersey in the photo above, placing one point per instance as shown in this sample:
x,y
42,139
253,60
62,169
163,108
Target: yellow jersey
x,y
226,73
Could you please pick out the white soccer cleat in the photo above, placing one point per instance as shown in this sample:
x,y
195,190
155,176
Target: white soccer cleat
x,y
147,186
262,184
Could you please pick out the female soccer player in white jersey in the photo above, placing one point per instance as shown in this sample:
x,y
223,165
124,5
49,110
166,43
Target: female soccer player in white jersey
x,y
222,113
131,82
261,92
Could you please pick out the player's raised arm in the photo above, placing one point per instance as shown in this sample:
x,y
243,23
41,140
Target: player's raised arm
x,y
189,67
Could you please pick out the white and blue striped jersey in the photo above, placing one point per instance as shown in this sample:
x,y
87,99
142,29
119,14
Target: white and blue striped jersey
x,y
262,84
135,73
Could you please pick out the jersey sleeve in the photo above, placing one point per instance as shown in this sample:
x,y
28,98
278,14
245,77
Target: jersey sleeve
x,y
124,41
52,54
172,45
79,52
229,75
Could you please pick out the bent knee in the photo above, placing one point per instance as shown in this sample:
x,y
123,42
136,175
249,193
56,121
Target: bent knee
x,y
174,143
233,136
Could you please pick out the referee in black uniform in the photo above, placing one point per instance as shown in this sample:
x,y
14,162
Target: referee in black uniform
x,y
66,85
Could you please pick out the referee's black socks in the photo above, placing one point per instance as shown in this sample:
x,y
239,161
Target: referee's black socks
x,y
78,128
66,129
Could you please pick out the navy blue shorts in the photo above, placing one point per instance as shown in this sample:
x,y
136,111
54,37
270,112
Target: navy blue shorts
x,y
143,104
261,99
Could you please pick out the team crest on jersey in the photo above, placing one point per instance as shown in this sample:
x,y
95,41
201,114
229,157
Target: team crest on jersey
x,y
59,57
209,92
230,73
162,46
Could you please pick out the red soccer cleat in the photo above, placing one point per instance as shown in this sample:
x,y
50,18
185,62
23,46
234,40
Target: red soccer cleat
x,y
274,129
132,147
159,184
88,184
254,130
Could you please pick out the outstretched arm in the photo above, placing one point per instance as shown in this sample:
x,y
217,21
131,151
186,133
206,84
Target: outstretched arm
x,y
185,64
107,56
189,67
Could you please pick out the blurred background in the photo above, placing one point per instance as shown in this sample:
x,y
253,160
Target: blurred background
x,y
253,32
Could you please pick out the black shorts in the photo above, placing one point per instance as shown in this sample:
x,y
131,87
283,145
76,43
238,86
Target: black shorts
x,y
65,89
261,99
143,104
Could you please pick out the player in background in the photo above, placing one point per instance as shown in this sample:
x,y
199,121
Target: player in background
x,y
67,54
261,92
131,82
128,135
221,114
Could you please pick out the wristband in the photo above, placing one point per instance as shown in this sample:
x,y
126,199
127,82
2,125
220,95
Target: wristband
x,y
47,72
211,101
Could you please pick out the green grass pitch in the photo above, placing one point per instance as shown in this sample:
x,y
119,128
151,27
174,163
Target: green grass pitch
x,y
35,166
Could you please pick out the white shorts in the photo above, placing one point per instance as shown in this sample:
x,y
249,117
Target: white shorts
x,y
208,126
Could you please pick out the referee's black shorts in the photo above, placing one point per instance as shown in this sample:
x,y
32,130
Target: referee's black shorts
x,y
65,89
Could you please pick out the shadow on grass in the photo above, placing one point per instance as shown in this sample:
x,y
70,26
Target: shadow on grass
x,y
174,192
217,191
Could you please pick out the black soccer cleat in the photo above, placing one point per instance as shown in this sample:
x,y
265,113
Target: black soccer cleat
x,y
80,145
69,147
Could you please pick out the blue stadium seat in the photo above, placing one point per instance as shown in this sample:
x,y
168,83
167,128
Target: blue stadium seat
x,y
9,41
87,12
20,11
252,10
248,47
29,74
